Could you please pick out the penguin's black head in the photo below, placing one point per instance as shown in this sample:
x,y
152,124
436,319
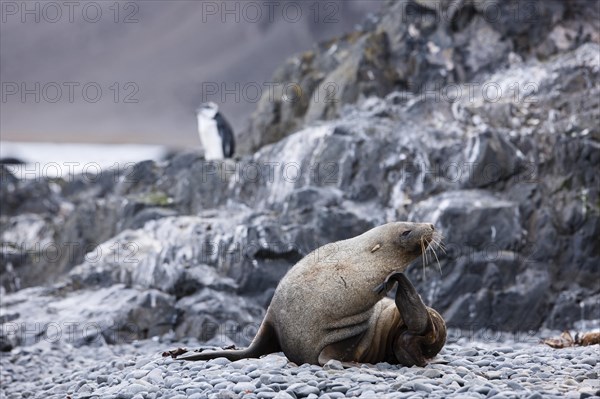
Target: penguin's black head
x,y
208,110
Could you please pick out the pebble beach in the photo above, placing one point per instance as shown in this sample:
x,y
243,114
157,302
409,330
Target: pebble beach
x,y
466,368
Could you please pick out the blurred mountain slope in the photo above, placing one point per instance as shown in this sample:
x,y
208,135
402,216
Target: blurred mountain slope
x,y
167,54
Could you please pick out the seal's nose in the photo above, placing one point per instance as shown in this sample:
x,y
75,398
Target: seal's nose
x,y
431,226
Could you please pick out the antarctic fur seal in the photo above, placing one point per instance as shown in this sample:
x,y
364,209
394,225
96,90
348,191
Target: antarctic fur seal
x,y
332,304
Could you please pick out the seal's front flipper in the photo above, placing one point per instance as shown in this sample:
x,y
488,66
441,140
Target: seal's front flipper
x,y
425,330
382,288
413,349
409,304
407,349
387,284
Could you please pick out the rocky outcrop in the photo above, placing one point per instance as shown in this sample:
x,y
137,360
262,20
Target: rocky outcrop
x,y
417,47
110,315
506,169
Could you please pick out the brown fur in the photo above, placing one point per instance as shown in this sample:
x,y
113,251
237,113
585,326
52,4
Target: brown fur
x,y
326,307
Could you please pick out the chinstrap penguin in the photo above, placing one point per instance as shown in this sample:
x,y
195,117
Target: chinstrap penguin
x,y
215,132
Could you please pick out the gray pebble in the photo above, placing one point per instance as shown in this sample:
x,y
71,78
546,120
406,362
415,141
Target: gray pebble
x,y
273,379
514,385
468,352
255,374
216,381
239,378
278,387
85,388
243,387
589,360
366,378
463,389
137,388
482,389
333,365
223,385
125,394
220,361
460,363
422,387
336,387
302,390
201,386
154,376
136,374
432,373
172,382
494,375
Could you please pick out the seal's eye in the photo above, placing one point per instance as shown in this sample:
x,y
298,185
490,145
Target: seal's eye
x,y
406,233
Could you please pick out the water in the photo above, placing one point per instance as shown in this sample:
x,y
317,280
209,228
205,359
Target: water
x,y
53,160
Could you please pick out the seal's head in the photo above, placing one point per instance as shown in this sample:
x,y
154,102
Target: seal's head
x,y
402,242
414,238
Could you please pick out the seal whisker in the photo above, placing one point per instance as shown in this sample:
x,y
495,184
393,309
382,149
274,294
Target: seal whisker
x,y
432,242
437,238
436,258
442,248
440,245
427,257
423,251
440,240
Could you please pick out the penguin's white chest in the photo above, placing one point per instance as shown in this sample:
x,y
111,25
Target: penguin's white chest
x,y
210,138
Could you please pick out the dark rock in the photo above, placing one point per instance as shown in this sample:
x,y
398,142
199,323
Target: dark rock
x,y
335,73
489,158
472,219
417,46
145,215
87,317
573,306
218,316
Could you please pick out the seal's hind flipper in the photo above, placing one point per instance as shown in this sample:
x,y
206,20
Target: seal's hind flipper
x,y
229,354
264,342
344,351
